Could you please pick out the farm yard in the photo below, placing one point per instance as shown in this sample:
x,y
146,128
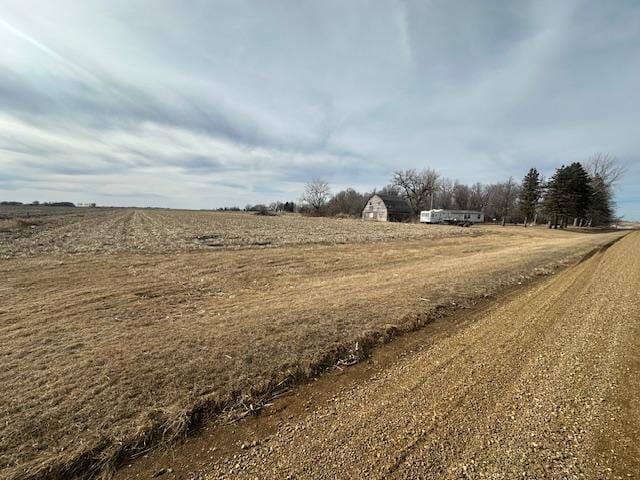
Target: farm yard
x,y
125,328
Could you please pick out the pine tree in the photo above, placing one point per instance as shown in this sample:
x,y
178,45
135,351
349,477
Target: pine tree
x,y
569,195
553,199
601,211
579,192
530,195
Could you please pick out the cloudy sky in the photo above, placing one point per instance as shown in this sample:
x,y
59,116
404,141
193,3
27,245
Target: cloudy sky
x,y
201,104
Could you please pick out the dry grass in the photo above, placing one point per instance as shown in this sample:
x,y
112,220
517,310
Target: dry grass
x,y
101,353
18,226
9,223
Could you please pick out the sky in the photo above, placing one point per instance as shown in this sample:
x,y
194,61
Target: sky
x,y
202,104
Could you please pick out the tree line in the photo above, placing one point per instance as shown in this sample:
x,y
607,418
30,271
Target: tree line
x,y
580,194
37,203
423,190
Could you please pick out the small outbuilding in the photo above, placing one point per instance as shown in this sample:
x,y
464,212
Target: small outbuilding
x,y
386,208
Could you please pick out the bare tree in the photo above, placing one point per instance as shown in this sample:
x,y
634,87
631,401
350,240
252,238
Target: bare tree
x,y
478,197
605,166
316,194
347,202
461,195
444,193
388,190
501,199
416,186
605,173
509,192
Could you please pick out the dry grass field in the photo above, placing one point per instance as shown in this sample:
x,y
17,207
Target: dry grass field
x,y
123,328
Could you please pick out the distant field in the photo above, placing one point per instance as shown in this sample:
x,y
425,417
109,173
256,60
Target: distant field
x,y
46,230
145,327
629,225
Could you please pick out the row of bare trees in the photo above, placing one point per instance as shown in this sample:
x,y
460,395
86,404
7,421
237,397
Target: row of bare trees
x,y
507,201
318,200
426,189
422,190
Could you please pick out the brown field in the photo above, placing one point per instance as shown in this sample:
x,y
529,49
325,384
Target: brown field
x,y
47,230
123,328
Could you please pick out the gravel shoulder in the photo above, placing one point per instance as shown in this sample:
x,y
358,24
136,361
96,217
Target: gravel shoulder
x,y
542,384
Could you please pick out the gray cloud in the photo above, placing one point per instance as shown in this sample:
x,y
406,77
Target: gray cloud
x,y
199,164
99,97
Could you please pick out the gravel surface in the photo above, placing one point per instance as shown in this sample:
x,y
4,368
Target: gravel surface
x,y
532,388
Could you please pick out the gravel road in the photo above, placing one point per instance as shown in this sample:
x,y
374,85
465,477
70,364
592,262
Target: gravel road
x,y
542,385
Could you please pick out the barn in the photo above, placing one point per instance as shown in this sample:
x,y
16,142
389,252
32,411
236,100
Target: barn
x,y
386,208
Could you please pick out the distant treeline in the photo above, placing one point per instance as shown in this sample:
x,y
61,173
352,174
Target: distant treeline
x,y
262,208
580,194
44,204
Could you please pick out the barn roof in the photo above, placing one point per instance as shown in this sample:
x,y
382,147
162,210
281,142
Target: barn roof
x,y
394,203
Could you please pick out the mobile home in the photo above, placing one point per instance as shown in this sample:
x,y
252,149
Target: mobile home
x,y
451,216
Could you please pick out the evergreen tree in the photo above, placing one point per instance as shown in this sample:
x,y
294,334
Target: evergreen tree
x,y
553,199
569,195
601,211
530,195
579,193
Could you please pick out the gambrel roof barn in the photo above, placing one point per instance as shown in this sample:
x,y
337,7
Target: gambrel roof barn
x,y
386,208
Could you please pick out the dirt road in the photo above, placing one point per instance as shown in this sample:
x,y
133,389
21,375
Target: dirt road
x,y
544,384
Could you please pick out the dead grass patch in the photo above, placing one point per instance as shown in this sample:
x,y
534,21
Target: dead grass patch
x,y
8,223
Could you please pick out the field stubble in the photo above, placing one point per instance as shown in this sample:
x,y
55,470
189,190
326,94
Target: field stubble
x,y
80,230
106,352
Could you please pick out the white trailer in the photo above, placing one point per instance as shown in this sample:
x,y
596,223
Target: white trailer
x,y
456,217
